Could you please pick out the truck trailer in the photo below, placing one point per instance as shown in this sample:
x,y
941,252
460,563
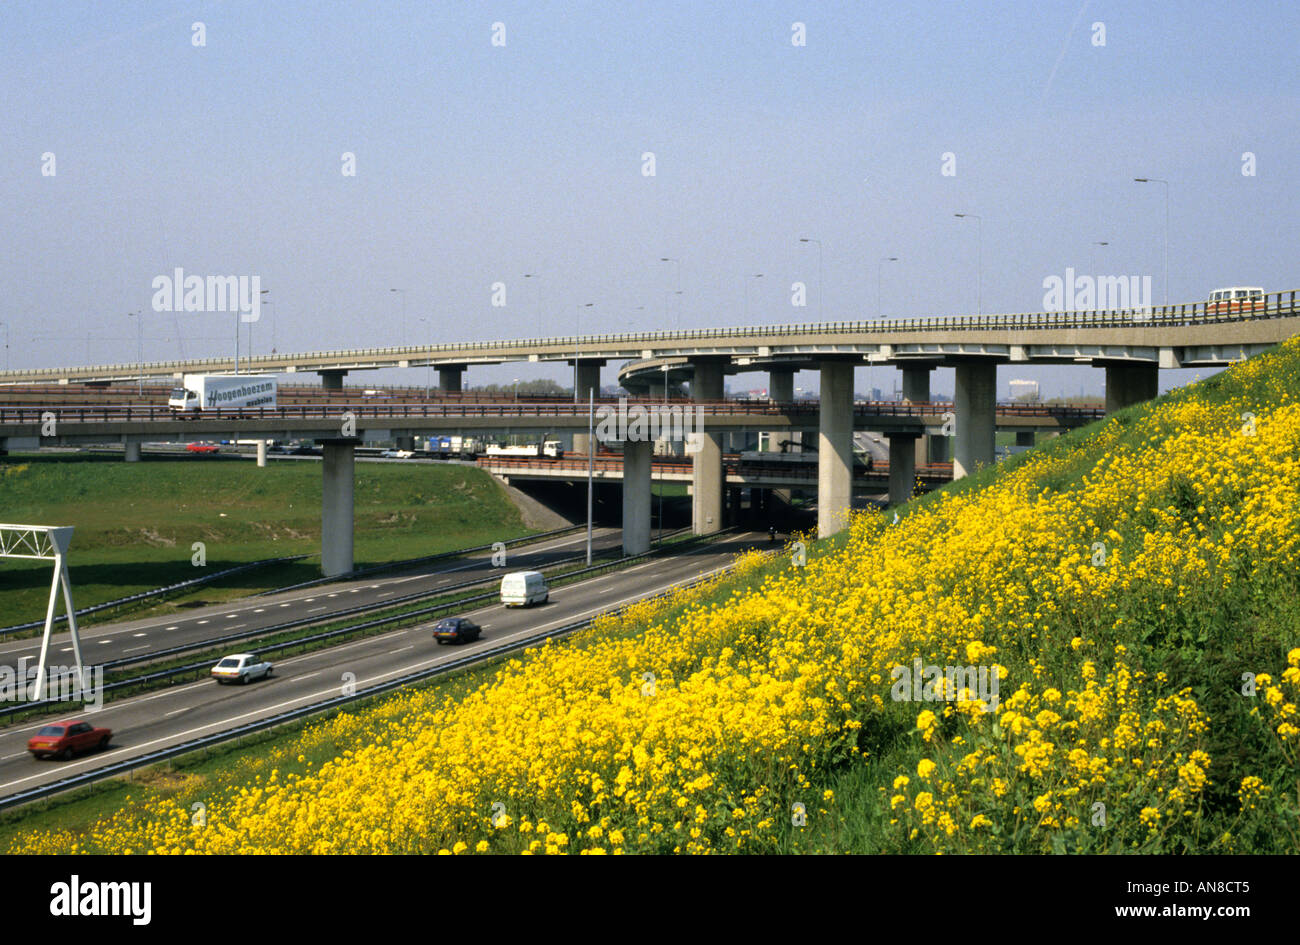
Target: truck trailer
x,y
200,392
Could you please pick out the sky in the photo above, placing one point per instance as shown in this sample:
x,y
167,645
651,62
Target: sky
x,y
491,140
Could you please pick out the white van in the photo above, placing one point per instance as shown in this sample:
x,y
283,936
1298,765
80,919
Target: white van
x,y
523,588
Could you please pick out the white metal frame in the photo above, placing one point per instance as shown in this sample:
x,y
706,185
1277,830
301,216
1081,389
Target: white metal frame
x,y
46,543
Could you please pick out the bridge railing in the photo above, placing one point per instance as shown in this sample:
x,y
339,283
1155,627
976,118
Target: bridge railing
x,y
1271,305
124,413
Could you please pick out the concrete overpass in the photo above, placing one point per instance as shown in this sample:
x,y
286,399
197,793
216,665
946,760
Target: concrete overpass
x,y
1132,346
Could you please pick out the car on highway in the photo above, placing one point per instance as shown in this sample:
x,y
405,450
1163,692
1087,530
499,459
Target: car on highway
x,y
202,448
397,454
523,588
241,668
456,630
62,740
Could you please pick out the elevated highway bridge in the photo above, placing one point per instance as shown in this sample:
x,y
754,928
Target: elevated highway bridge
x,y
1131,346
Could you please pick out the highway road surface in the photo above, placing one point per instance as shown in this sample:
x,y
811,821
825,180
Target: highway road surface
x,y
153,721
137,638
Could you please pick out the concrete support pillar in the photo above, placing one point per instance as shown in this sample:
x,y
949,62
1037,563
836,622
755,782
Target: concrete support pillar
x,y
332,380
706,464
902,466
975,409
780,390
916,384
451,378
586,376
636,496
1128,384
336,507
132,451
1025,438
261,453
835,448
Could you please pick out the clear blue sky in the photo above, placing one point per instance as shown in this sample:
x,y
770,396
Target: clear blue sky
x,y
477,164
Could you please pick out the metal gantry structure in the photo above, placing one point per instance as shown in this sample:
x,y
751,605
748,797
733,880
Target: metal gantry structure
x,y
47,543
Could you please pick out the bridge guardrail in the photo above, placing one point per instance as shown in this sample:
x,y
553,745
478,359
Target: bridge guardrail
x,y
1272,305
464,410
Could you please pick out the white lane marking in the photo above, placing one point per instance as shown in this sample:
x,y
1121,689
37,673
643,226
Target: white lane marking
x,y
308,676
186,708
315,610
143,646
7,757
401,649
66,649
309,600
138,635
102,642
202,621
173,628
260,610
385,594
231,616
285,605
271,710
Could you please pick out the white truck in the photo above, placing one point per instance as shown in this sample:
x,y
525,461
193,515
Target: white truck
x,y
223,392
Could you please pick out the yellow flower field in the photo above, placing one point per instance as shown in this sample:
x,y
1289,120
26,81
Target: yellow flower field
x,y
1118,583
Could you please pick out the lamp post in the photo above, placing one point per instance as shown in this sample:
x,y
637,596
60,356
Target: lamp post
x,y
979,265
880,274
264,301
540,301
576,343
402,339
428,367
139,348
591,466
673,259
1092,256
1157,180
6,324
661,476
757,275
821,291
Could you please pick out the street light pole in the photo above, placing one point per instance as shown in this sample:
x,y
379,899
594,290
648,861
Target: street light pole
x,y
403,294
880,274
1157,180
757,275
540,301
591,455
6,324
673,259
576,353
139,347
1092,256
661,476
821,290
979,264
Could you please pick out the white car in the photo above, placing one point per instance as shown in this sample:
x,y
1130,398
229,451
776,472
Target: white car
x,y
241,668
396,454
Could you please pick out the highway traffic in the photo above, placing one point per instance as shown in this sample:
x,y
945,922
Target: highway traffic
x,y
152,721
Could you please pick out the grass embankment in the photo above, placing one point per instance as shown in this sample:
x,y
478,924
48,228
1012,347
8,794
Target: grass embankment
x,y
136,523
1131,585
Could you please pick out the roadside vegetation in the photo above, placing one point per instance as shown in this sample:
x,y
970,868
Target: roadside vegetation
x,y
136,523
1131,586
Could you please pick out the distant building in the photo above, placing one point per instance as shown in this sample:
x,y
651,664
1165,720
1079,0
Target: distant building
x,y
1024,390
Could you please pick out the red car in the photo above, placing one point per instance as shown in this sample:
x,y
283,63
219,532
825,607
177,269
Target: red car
x,y
202,447
62,740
